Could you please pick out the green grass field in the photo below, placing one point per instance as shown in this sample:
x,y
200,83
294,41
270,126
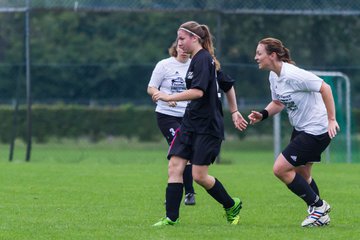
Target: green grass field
x,y
115,190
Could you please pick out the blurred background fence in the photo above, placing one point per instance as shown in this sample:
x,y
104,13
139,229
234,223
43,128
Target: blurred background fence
x,y
100,55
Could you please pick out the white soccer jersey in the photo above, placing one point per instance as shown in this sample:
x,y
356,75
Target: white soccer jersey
x,y
169,77
299,90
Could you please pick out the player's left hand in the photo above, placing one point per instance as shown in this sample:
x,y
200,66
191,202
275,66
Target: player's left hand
x,y
172,104
333,128
239,122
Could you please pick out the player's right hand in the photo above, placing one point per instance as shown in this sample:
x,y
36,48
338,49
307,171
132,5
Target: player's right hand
x,y
255,117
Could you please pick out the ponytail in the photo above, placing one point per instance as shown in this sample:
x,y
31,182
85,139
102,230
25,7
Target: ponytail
x,y
285,56
207,43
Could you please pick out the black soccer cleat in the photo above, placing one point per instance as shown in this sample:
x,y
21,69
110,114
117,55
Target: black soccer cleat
x,y
189,199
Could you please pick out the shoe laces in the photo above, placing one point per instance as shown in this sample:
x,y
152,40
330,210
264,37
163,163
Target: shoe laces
x,y
188,195
168,221
231,213
311,209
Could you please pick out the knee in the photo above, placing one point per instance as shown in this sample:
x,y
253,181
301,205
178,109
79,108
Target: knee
x,y
277,171
199,178
281,167
280,171
172,172
174,169
284,174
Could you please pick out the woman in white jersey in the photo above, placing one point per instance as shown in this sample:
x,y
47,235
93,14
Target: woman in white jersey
x,y
310,106
169,77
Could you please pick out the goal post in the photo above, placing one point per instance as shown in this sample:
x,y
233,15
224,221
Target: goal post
x,y
341,148
23,7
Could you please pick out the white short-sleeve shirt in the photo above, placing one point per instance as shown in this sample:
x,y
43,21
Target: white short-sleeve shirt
x,y
299,91
169,77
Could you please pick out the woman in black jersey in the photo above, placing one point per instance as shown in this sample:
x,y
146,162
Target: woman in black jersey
x,y
169,76
199,137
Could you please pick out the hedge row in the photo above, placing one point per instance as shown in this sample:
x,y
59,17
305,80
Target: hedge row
x,y
74,121
64,121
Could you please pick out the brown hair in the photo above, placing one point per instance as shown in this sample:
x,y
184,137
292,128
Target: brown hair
x,y
205,38
276,46
172,50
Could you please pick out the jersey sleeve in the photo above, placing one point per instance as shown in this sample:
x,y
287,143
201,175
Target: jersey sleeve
x,y
225,81
157,75
201,74
306,81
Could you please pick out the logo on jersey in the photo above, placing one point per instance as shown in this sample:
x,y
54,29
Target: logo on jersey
x,y
293,158
190,75
178,85
287,101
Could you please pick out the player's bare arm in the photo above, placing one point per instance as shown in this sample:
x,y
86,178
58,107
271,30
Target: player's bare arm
x,y
272,108
239,121
326,93
186,95
152,90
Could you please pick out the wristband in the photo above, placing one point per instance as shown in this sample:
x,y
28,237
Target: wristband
x,y
234,112
265,114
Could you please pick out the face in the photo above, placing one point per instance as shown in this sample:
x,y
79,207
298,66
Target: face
x,y
181,55
185,41
262,58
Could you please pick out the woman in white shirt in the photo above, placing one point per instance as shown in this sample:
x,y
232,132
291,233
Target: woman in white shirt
x,y
310,106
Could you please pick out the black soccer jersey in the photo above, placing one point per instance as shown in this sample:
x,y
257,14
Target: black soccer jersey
x,y
203,115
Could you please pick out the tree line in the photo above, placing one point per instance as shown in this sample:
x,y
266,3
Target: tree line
x,y
110,55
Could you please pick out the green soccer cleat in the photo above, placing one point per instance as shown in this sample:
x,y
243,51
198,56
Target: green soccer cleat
x,y
232,214
166,222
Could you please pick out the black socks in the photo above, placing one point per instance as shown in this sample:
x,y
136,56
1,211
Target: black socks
x,y
188,179
314,187
301,188
219,193
174,192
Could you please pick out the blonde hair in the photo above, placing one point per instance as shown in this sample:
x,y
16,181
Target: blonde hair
x,y
172,50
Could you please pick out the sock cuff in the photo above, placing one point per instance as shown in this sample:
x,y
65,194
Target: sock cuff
x,y
176,184
295,180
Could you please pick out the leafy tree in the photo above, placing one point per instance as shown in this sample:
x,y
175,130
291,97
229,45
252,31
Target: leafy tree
x,y
110,55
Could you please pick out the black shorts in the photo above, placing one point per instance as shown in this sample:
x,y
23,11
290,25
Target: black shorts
x,y
199,149
304,148
168,125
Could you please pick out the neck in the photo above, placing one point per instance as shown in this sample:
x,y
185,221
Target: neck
x,y
180,59
198,48
277,67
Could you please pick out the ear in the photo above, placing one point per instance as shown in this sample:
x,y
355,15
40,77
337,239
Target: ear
x,y
194,38
273,56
